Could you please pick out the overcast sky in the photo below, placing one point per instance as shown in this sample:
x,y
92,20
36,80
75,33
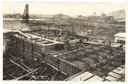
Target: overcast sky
x,y
71,9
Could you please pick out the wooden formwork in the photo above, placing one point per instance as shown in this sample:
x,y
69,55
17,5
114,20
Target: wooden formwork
x,y
50,47
27,56
11,42
20,51
37,48
54,61
80,65
38,55
28,45
20,42
13,39
68,68
12,52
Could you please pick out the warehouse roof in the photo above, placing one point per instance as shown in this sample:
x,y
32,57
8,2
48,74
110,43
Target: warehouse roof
x,y
81,77
120,35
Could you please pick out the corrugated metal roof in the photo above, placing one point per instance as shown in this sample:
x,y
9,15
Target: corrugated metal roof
x,y
120,35
95,78
83,76
117,76
110,78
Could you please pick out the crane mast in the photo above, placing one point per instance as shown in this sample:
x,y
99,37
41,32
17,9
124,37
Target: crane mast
x,y
25,17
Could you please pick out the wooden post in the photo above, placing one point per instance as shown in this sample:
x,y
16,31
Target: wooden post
x,y
19,65
26,74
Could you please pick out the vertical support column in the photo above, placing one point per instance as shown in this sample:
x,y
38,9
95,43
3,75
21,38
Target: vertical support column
x,y
48,26
58,31
23,49
62,28
32,53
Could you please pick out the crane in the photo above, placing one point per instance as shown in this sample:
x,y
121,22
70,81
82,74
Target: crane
x,y
25,17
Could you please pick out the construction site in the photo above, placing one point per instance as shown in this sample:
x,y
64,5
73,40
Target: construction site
x,y
54,50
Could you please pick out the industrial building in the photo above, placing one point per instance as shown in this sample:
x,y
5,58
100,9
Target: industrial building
x,y
120,38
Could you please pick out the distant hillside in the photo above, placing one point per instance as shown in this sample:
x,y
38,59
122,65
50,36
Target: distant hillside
x,y
32,16
118,14
61,16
